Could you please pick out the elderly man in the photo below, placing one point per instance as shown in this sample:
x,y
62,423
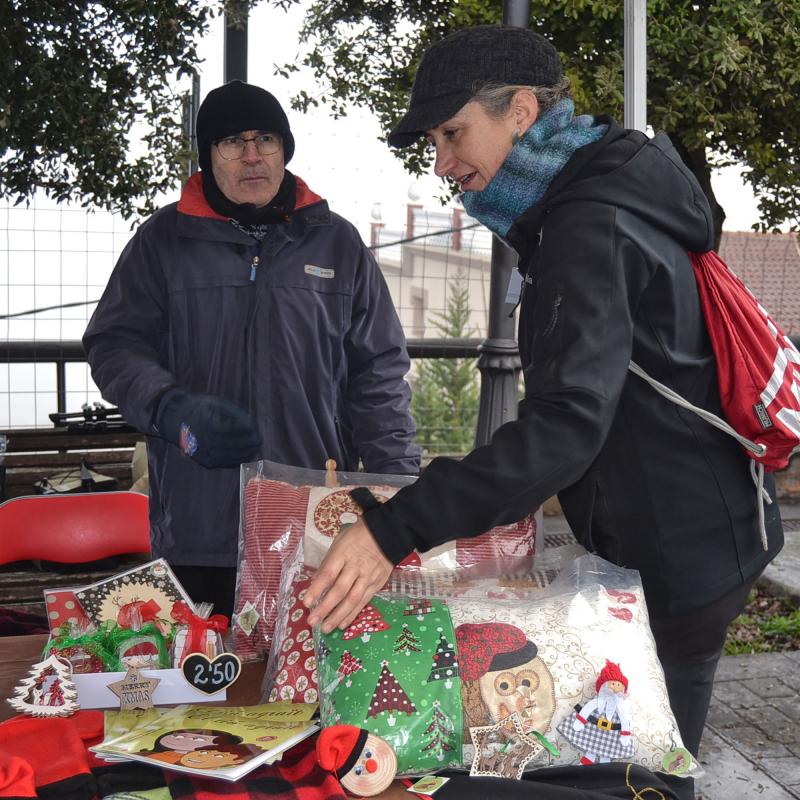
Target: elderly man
x,y
247,321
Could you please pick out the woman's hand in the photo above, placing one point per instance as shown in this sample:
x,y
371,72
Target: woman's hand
x,y
350,574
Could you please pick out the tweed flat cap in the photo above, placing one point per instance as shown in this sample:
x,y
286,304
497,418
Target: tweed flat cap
x,y
454,69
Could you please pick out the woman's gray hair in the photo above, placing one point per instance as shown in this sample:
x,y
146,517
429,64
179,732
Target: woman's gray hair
x,y
496,98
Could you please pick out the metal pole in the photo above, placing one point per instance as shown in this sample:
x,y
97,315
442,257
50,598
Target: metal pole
x,y
499,362
194,107
235,46
636,64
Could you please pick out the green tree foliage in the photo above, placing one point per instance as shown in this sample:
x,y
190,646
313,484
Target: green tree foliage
x,y
723,75
444,402
76,79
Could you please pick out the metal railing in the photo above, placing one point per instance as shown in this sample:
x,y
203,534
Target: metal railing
x,y
61,353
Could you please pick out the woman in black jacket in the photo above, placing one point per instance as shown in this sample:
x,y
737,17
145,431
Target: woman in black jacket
x,y
602,219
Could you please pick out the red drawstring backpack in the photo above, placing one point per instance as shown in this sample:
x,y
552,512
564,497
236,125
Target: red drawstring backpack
x,y
758,369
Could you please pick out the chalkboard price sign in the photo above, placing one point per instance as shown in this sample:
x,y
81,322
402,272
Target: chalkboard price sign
x,y
211,675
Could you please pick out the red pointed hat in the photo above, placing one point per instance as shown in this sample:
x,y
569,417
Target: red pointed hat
x,y
339,746
610,672
488,646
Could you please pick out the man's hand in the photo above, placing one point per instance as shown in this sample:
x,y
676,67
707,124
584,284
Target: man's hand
x,y
350,574
212,430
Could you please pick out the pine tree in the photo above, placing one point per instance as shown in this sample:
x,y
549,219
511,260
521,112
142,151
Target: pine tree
x,y
445,665
389,696
441,729
406,642
446,390
370,620
418,608
347,666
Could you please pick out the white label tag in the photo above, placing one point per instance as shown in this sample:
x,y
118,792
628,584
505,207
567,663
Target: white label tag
x,y
320,272
514,291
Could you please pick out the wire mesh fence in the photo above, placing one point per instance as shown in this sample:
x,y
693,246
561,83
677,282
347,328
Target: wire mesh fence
x,y
55,262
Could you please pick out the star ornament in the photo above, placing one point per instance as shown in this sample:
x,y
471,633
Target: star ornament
x,y
503,750
134,690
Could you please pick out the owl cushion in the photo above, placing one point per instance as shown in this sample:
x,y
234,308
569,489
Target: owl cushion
x,y
575,663
280,519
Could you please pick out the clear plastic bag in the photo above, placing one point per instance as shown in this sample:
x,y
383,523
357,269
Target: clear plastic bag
x,y
551,655
286,507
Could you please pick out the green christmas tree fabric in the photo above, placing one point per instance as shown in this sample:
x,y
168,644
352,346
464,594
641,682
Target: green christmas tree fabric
x,y
394,672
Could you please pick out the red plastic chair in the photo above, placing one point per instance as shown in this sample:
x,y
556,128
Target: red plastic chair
x,y
74,528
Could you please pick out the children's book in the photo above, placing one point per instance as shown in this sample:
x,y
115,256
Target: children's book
x,y
212,741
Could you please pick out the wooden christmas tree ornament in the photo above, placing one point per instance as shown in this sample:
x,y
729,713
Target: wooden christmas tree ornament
x,y
48,691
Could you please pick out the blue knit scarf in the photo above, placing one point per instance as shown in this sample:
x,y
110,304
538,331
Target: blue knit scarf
x,y
530,167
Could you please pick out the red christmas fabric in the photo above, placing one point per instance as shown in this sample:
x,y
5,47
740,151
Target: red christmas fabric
x,y
295,663
274,521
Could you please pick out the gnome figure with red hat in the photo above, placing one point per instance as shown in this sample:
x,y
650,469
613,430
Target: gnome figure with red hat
x,y
600,729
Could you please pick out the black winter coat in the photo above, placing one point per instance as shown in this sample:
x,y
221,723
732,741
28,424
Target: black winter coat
x,y
642,482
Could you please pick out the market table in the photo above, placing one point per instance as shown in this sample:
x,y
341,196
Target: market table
x,y
19,653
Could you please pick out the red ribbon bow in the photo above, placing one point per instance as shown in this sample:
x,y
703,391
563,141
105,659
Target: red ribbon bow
x,y
198,626
135,614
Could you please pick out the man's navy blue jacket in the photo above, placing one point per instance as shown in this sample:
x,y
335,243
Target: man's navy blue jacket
x,y
309,342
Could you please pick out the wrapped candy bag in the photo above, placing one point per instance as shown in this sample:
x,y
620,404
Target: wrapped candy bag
x,y
196,634
84,647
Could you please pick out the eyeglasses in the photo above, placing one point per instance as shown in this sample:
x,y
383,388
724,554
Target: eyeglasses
x,y
232,148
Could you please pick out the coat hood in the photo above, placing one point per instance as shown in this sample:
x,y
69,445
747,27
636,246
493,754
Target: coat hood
x,y
626,169
193,202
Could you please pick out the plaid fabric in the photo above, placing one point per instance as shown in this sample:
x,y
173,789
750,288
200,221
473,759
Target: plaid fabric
x,y
593,740
297,776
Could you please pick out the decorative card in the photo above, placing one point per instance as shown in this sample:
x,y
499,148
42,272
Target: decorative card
x,y
153,581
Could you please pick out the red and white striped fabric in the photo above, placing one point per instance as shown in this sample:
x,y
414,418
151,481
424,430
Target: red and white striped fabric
x,y
274,522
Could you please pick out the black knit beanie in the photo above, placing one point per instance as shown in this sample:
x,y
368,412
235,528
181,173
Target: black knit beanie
x,y
237,107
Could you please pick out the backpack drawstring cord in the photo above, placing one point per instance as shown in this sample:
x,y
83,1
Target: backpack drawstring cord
x,y
756,468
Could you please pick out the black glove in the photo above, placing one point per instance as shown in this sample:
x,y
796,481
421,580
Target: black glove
x,y
215,432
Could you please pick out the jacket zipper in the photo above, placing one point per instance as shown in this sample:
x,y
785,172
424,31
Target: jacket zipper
x,y
253,267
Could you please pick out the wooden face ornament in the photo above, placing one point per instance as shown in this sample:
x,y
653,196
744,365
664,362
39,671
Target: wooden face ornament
x,y
364,763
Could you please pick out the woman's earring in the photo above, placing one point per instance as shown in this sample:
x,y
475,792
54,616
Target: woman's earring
x,y
515,137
